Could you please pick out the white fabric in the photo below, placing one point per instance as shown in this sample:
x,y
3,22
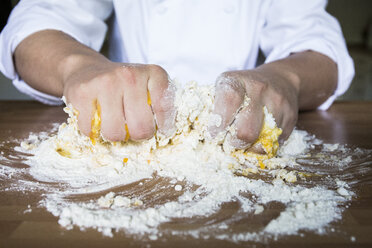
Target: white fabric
x,y
190,39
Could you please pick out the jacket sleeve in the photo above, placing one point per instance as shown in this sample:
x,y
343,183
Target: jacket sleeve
x,y
82,20
298,25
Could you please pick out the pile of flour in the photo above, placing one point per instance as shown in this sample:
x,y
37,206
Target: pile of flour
x,y
200,176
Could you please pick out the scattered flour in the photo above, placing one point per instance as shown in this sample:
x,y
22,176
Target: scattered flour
x,y
331,147
178,187
258,208
110,200
211,171
295,144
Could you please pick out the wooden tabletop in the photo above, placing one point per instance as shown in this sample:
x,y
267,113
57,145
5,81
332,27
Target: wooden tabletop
x,y
345,122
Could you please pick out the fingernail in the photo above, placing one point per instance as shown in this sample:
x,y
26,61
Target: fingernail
x,y
238,143
233,140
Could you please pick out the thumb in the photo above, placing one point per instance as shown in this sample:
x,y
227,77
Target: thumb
x,y
249,123
229,96
161,96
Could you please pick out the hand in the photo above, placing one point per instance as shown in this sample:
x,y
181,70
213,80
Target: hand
x,y
122,91
263,88
53,62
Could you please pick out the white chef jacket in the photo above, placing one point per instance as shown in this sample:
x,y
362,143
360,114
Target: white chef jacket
x,y
191,39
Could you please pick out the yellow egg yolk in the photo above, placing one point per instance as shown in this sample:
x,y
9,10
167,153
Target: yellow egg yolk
x,y
95,124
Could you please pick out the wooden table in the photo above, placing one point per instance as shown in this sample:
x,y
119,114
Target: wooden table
x,y
345,123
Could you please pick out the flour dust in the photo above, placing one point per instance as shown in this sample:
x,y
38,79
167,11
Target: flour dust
x,y
186,185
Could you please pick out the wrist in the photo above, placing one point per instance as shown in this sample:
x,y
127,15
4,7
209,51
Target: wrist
x,y
280,73
76,62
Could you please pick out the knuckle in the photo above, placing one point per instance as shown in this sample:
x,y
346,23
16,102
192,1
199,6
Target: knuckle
x,y
128,74
229,84
106,81
157,69
229,78
256,86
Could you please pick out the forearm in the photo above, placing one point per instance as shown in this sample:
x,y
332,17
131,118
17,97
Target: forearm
x,y
45,59
313,75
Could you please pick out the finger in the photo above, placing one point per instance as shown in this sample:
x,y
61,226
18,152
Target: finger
x,y
249,123
112,115
284,116
85,104
288,124
276,108
161,98
229,96
137,111
257,148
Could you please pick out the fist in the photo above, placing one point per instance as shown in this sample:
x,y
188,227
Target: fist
x,y
133,99
278,95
